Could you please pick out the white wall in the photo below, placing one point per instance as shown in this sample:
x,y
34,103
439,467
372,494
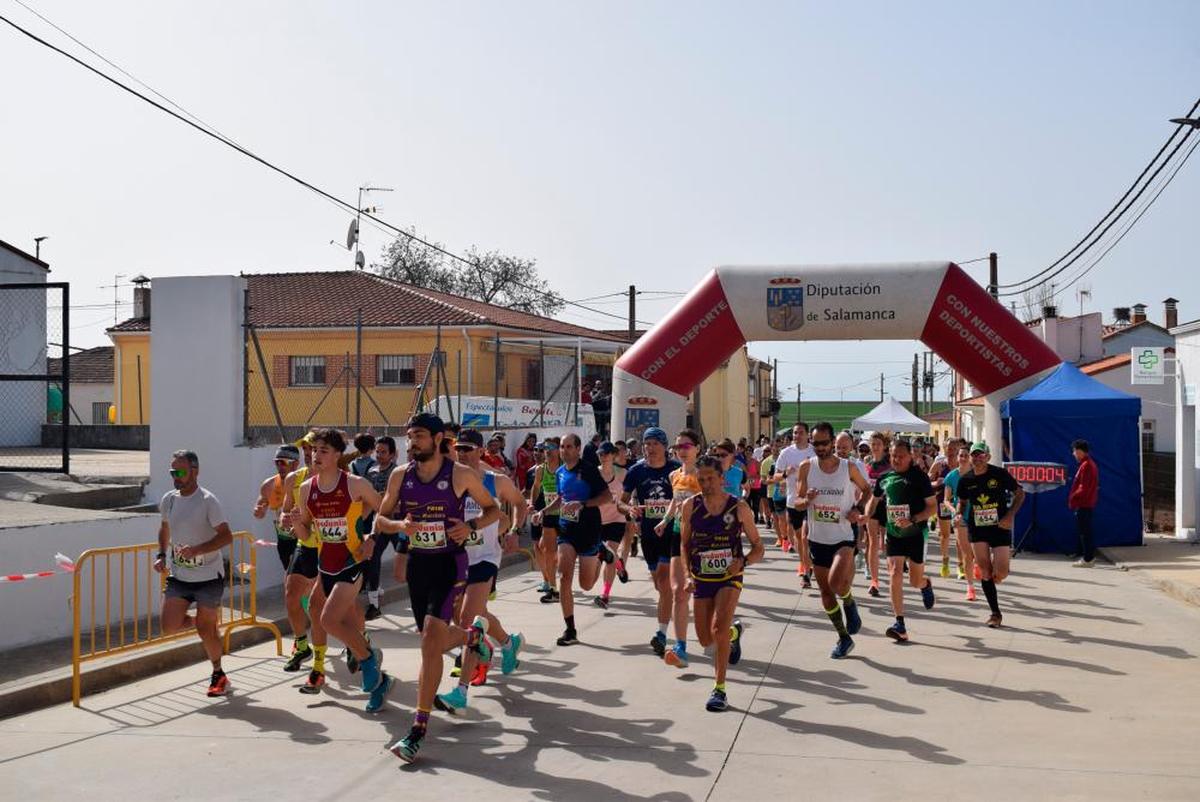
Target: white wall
x,y
1074,339
84,395
1158,402
1187,455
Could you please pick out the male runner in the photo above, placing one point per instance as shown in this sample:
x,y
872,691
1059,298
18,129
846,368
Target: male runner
x,y
942,465
788,463
986,489
484,552
378,474
332,504
428,498
962,542
302,592
879,464
684,485
581,493
737,481
829,487
907,498
542,492
647,491
711,543
193,531
613,521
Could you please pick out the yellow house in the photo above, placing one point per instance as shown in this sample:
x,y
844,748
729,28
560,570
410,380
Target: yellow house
x,y
735,399
351,348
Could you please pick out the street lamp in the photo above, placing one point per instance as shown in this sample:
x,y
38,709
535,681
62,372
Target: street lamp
x,y
37,247
1194,122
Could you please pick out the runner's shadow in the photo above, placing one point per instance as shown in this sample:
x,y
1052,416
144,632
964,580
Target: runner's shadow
x,y
269,719
836,686
914,747
1014,601
1072,638
980,650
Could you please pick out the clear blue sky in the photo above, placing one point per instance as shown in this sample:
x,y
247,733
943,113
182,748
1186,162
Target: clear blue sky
x,y
615,143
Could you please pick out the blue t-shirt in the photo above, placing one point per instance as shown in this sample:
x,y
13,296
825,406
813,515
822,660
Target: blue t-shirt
x,y
734,478
951,481
652,489
580,484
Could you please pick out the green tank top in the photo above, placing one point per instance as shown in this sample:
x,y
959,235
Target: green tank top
x,y
549,480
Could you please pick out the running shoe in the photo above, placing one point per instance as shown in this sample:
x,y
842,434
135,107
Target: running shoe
x,y
372,673
481,672
873,590
677,657
568,638
1082,563
945,572
457,670
927,594
544,587
298,657
961,574
351,660
853,619
659,643
509,653
971,593
993,621
407,747
377,697
219,684
897,632
717,703
372,613
735,648
606,555
601,602
550,597
451,702
978,575
622,574
477,640
844,647
314,683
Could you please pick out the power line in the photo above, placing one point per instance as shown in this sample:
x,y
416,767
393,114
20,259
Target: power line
x,y
213,134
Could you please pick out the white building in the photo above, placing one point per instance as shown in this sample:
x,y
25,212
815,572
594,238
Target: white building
x,y
22,346
91,384
1187,454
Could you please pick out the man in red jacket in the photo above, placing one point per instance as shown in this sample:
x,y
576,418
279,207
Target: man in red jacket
x,y
1084,490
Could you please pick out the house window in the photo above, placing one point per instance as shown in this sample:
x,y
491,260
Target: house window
x,y
306,371
1147,436
100,413
392,370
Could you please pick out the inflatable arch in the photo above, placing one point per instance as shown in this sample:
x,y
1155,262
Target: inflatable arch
x,y
934,302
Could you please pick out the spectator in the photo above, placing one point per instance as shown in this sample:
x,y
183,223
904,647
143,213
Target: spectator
x,y
494,456
601,409
1085,488
364,444
590,451
525,459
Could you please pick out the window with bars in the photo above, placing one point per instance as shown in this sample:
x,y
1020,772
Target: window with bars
x,y
1147,436
306,371
100,413
394,370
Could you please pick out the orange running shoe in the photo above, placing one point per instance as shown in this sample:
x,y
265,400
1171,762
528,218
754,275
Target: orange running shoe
x,y
481,672
971,593
978,576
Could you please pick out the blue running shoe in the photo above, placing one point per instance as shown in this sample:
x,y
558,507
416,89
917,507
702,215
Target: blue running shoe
x,y
897,632
407,747
451,702
927,594
853,619
508,654
659,644
375,701
843,648
371,673
717,702
476,639
735,648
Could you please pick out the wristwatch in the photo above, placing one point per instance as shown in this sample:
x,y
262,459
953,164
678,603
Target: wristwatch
x,y
473,526
162,555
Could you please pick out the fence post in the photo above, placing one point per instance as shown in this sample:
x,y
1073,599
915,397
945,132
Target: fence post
x,y
246,366
358,374
66,377
496,385
262,366
542,383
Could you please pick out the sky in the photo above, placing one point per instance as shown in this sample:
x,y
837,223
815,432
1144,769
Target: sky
x,y
615,143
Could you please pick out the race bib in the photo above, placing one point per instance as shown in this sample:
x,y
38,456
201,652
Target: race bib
x,y
570,517
897,512
986,517
826,515
429,535
475,538
193,562
331,530
656,509
715,562
281,532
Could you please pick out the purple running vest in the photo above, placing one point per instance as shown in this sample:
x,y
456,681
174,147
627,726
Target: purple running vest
x,y
430,505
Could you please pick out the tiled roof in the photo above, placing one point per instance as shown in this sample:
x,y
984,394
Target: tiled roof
x,y
1112,329
132,324
1107,363
93,366
333,298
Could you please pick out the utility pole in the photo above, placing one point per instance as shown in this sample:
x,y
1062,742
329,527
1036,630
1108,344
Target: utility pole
x,y
915,384
993,275
798,418
632,312
774,396
881,386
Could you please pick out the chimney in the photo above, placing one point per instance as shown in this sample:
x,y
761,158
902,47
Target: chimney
x,y
1171,312
1049,312
141,297
1139,313
1121,316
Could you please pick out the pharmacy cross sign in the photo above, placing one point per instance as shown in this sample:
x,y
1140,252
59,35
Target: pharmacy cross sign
x,y
1148,359
1146,366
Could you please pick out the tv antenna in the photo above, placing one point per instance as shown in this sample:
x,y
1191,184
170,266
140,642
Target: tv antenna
x,y
1082,292
352,234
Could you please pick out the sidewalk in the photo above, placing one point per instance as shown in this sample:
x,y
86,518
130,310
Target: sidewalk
x,y
1173,566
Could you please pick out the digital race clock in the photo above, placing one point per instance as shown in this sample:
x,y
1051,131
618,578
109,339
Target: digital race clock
x,y
1038,476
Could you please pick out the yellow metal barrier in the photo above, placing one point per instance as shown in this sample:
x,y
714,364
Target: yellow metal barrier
x,y
130,613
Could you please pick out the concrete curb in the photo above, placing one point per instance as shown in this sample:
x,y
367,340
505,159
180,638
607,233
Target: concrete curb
x,y
1188,594
54,687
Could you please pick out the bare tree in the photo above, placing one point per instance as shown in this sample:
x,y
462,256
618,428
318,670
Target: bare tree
x,y
1034,301
413,262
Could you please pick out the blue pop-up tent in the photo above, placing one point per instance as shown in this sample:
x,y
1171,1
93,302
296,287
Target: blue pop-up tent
x,y
1043,421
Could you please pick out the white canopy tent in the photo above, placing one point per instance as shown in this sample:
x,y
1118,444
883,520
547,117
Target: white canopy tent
x,y
890,416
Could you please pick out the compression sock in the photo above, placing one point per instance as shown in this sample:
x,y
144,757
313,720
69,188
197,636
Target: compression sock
x,y
607,590
570,619
989,590
300,643
421,720
835,615
848,602
319,658
719,686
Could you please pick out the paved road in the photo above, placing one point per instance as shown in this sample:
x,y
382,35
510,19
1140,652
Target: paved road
x,y
1092,691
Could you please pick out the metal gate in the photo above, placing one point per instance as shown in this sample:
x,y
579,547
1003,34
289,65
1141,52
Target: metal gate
x,y
35,380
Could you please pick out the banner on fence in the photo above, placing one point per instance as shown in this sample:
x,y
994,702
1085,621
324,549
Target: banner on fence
x,y
482,412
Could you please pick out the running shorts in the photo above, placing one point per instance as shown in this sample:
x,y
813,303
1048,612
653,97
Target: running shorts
x,y
584,539
880,515
823,553
994,536
709,590
779,505
674,543
612,533
656,550
796,517
912,547
202,594
435,581
550,522
482,571
304,562
349,575
286,546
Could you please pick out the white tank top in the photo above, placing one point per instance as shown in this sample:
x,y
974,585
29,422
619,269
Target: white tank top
x,y
827,522
483,545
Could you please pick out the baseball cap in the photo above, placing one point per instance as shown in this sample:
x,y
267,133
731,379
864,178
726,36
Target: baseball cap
x,y
471,436
655,433
289,452
427,421
307,440
606,448
980,447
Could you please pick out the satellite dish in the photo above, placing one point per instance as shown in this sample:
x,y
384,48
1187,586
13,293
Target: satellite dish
x,y
352,235
360,261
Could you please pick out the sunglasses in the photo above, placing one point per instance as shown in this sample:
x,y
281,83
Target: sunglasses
x,y
683,446
722,454
463,449
178,473
820,443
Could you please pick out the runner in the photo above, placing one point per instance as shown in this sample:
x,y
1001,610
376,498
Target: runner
x,y
332,503
778,485
581,493
484,552
649,483
754,483
613,521
962,542
843,444
193,531
830,488
684,485
879,464
542,492
429,499
907,498
711,543
301,590
378,474
736,479
942,465
272,494
986,488
788,463
767,494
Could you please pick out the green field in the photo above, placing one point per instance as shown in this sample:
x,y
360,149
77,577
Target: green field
x,y
839,413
